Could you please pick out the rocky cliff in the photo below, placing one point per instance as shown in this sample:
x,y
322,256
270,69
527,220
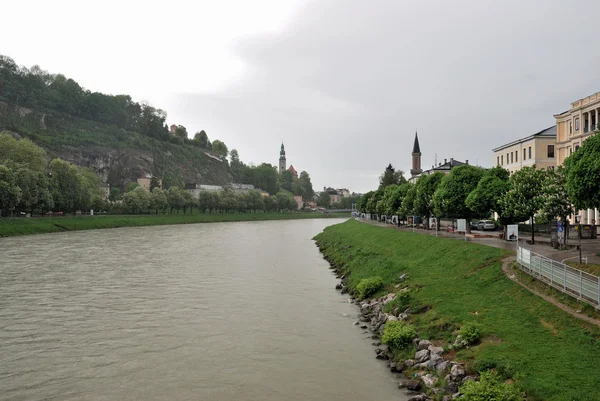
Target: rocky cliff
x,y
116,155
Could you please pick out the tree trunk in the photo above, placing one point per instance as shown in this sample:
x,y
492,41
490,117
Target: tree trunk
x,y
532,231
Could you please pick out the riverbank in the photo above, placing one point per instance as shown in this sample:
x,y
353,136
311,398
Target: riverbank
x,y
448,285
42,225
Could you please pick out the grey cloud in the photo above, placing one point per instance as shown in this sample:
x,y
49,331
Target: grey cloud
x,y
348,81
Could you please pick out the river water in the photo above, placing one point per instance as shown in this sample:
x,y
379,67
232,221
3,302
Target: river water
x,y
223,311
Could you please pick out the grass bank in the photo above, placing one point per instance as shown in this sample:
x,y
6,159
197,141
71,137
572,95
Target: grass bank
x,y
40,225
551,355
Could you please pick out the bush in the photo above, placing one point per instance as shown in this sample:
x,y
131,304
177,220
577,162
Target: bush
x,y
490,387
369,286
505,370
398,334
470,333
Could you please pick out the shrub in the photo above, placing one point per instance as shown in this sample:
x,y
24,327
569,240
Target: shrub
x,y
470,333
490,387
398,334
504,369
369,286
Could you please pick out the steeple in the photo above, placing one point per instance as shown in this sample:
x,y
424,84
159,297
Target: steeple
x,y
282,159
416,158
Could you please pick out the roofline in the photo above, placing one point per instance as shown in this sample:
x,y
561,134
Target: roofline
x,y
527,138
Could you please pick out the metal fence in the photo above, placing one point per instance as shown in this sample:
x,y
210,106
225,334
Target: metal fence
x,y
571,281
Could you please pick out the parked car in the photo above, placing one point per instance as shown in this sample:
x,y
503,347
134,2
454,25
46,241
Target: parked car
x,y
49,213
474,225
486,225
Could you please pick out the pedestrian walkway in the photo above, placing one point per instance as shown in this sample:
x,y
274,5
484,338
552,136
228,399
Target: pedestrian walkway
x,y
590,248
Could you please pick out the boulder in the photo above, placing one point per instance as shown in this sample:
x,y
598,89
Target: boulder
x,y
452,387
435,350
376,343
402,384
409,363
339,286
429,380
364,326
419,397
468,378
403,316
457,372
423,344
389,298
344,290
413,385
356,323
422,356
391,318
402,277
442,366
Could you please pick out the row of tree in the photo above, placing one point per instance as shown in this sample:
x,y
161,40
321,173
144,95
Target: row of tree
x,y
472,192
176,199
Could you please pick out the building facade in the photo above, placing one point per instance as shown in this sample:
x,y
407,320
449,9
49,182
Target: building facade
x,y
195,189
146,181
538,149
573,127
105,188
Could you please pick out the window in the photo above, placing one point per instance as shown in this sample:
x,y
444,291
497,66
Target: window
x,y
507,158
498,160
530,152
551,151
511,157
570,150
577,124
524,154
570,127
576,147
516,155
502,159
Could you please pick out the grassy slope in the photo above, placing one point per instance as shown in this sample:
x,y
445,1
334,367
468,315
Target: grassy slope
x,y
554,356
24,226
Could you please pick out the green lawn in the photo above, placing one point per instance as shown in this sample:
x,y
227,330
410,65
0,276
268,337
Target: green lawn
x,y
550,354
39,225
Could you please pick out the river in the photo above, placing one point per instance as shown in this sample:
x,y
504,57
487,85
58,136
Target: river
x,y
218,312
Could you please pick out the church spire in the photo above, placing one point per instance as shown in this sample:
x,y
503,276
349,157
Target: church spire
x,y
416,158
282,163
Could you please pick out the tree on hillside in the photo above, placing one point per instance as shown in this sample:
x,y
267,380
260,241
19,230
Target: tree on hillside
x,y
306,188
64,185
425,188
450,197
525,196
131,186
286,180
582,171
10,194
391,177
241,172
154,183
115,194
265,177
219,148
201,139
181,132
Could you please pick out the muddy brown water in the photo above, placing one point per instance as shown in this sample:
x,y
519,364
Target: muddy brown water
x,y
223,311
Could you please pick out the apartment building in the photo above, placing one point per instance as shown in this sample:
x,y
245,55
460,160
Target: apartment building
x,y
538,149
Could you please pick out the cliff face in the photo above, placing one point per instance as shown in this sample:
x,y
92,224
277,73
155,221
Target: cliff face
x,y
116,155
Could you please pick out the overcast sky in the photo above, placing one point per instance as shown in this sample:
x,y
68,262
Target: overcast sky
x,y
344,83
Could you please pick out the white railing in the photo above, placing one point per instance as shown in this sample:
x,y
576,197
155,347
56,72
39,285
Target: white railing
x,y
571,281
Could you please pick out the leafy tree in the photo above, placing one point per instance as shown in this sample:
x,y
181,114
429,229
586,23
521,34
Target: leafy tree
x,y
201,139
154,183
98,203
391,177
486,196
425,188
306,188
324,199
582,171
21,153
286,180
131,186
525,196
137,201
181,132
265,177
175,198
229,200
556,200
115,194
189,201
35,192
364,201
205,201
407,208
271,203
450,196
158,200
10,194
255,201
65,183
219,148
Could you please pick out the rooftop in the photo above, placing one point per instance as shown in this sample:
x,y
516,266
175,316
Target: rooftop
x,y
549,132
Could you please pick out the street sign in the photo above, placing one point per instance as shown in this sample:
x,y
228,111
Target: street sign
x,y
512,232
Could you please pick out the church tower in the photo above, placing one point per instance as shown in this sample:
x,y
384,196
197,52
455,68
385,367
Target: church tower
x,y
416,158
282,159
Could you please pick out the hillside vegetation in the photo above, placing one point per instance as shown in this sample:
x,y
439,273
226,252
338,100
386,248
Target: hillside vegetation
x,y
452,284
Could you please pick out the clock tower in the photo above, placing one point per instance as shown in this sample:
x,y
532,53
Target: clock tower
x,y
282,159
